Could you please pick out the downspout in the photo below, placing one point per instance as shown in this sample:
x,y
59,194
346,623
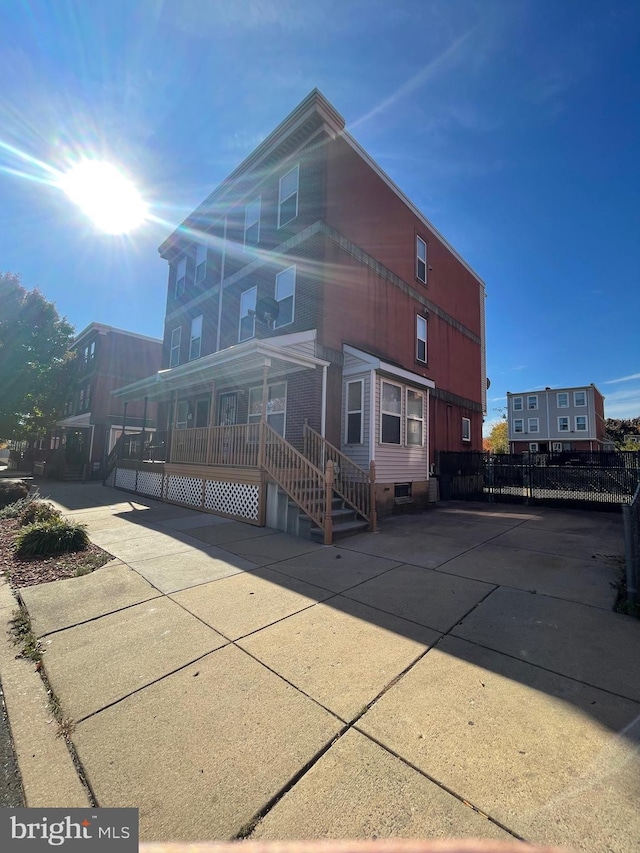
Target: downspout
x,y
323,413
372,417
220,293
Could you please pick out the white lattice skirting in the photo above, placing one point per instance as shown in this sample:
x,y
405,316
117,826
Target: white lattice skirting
x,y
150,483
185,490
232,498
125,479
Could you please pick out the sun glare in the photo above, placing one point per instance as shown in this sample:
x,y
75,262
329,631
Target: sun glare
x,y
103,193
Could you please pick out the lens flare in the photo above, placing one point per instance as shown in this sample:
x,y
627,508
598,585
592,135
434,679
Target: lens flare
x,y
105,195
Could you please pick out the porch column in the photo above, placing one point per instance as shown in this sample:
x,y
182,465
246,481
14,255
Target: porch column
x,y
210,423
124,427
144,427
263,419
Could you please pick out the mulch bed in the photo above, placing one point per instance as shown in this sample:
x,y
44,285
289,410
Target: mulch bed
x,y
28,571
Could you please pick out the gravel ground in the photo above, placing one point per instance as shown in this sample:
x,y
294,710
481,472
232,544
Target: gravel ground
x,y
11,795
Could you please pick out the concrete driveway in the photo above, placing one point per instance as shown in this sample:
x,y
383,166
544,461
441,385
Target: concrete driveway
x,y
461,673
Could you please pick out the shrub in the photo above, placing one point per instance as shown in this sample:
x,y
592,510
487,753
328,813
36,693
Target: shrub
x,y
38,511
48,538
15,509
11,492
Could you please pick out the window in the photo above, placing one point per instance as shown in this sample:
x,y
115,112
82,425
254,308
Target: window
x,y
533,447
581,423
391,413
518,425
563,424
354,412
421,260
532,401
92,350
285,294
415,418
81,401
563,400
517,404
87,397
196,338
201,263
252,223
174,356
182,416
421,335
288,197
181,276
466,429
579,398
533,425
556,446
247,320
276,406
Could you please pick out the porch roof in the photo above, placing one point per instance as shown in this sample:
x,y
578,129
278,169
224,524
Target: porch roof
x,y
76,421
243,362
373,362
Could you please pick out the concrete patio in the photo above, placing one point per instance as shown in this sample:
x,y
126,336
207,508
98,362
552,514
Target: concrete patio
x,y
461,673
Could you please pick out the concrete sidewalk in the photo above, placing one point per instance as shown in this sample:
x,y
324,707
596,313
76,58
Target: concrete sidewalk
x,y
460,673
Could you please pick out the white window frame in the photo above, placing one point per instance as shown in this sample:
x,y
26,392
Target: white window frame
x,y
257,416
349,411
556,446
296,192
533,424
181,276
421,259
201,262
533,447
575,399
517,421
92,350
254,291
564,395
517,404
466,429
175,346
586,425
278,324
390,414
250,220
561,428
414,418
421,321
531,397
195,337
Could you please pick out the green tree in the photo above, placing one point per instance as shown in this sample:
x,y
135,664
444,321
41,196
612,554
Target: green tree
x,y
617,429
498,441
35,363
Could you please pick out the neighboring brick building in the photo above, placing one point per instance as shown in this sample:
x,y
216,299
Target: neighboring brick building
x,y
556,420
309,271
106,359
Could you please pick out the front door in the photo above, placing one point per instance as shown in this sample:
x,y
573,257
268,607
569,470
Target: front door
x,y
228,409
202,412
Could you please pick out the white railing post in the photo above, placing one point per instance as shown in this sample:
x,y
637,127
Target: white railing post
x,y
328,502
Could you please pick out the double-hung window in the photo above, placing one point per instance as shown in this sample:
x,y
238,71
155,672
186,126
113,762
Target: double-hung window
x,y
534,425
421,260
532,401
581,423
391,414
415,418
247,314
466,429
518,425
201,263
181,276
285,296
421,339
579,398
252,223
517,404
276,406
195,344
354,412
563,424
288,196
174,355
563,400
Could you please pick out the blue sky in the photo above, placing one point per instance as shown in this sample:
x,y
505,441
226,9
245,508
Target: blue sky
x,y
514,126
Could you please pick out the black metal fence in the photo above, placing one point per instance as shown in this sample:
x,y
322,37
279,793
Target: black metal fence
x,y
631,515
589,480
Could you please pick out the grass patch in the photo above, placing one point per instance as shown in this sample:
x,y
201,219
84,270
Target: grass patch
x,y
24,637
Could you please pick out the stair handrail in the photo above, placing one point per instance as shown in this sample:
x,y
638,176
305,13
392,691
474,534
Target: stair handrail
x,y
113,457
304,482
354,485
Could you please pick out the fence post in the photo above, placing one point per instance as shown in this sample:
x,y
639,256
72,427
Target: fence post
x,y
373,518
631,557
328,500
